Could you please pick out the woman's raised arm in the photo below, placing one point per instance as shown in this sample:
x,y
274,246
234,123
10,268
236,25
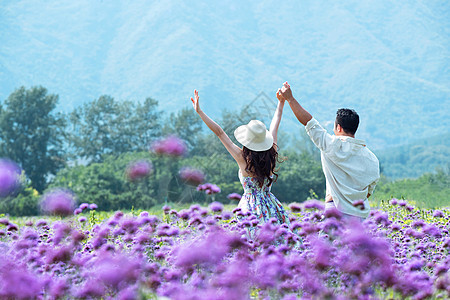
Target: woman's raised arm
x,y
232,148
275,124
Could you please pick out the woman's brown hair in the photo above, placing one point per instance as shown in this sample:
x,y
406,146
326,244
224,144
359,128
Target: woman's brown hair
x,y
261,164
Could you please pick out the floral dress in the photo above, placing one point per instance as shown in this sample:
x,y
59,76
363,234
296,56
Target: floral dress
x,y
260,201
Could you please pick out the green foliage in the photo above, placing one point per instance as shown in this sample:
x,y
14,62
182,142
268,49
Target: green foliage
x,y
107,135
106,185
417,158
186,125
429,190
220,169
301,177
25,203
32,134
105,126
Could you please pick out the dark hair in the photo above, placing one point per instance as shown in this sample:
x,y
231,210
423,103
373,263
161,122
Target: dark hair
x,y
261,164
348,119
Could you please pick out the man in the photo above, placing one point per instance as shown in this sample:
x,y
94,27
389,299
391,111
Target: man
x,y
351,169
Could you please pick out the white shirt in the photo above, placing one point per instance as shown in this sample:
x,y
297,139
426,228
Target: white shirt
x,y
351,169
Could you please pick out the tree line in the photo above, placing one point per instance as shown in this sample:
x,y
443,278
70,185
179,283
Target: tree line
x,y
88,149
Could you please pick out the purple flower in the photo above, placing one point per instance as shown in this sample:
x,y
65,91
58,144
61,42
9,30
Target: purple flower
x,y
194,207
382,218
173,231
359,203
91,289
93,206
432,230
77,211
130,225
184,214
128,293
192,176
84,206
333,213
9,177
209,188
295,207
58,288
12,227
139,169
82,219
58,202
395,227
416,265
438,214
216,206
402,203
226,215
41,222
171,145
314,204
209,250
62,254
418,223
17,282
113,270
166,209
322,254
234,196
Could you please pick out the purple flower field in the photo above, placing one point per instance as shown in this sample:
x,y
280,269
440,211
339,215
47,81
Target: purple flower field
x,y
399,252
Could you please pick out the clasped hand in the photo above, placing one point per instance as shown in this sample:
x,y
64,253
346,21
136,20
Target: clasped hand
x,y
285,92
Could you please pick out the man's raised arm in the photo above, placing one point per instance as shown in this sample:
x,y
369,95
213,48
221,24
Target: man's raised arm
x,y
317,133
302,115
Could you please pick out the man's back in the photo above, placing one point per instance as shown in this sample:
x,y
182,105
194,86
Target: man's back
x,y
351,169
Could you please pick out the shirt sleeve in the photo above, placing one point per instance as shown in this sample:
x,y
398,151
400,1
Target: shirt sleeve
x,y
320,137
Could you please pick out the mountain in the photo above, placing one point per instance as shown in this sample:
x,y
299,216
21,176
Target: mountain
x,y
426,155
387,59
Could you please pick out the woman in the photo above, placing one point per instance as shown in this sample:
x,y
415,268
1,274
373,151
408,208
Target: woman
x,y
256,160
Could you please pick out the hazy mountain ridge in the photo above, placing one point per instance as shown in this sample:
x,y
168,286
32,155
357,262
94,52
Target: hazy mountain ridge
x,y
388,60
420,156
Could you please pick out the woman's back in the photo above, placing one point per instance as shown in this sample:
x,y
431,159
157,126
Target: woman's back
x,y
257,158
260,201
251,184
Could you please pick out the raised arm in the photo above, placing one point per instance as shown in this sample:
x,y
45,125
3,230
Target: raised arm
x,y
302,115
275,124
232,148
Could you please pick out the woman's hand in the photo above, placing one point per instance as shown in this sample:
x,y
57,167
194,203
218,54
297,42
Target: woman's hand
x,y
280,96
195,103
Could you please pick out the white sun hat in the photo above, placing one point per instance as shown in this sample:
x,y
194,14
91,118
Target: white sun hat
x,y
254,136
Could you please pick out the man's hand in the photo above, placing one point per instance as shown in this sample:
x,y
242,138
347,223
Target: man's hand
x,y
302,115
195,103
286,92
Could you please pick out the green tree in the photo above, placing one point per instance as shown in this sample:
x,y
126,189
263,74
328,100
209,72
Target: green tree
x,y
106,185
147,123
187,125
430,190
105,126
25,203
300,177
32,133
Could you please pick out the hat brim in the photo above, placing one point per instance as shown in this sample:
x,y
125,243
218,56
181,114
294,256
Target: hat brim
x,y
242,137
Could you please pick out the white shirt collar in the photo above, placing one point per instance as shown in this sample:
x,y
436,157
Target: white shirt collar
x,y
352,140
